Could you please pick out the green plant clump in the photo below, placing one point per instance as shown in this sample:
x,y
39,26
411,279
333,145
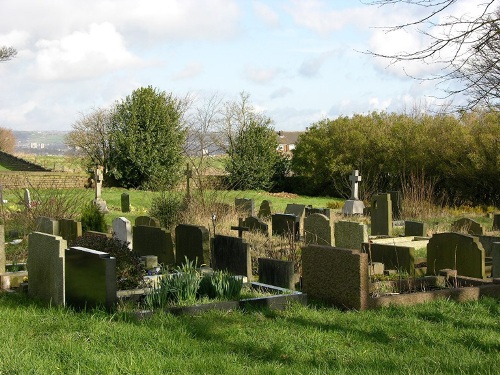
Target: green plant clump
x,y
93,219
167,208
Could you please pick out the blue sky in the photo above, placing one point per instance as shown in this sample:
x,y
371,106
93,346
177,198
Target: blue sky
x,y
298,60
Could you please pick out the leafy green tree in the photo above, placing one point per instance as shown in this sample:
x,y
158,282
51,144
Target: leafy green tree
x,y
147,140
251,144
7,140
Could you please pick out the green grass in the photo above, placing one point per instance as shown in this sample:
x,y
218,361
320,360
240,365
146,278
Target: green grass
x,y
440,337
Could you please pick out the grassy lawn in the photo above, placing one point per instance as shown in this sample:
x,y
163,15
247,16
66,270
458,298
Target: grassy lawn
x,y
440,337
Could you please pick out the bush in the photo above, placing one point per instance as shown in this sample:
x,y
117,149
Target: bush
x,y
167,208
129,268
93,219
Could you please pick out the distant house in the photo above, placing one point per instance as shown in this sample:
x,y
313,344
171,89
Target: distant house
x,y
287,140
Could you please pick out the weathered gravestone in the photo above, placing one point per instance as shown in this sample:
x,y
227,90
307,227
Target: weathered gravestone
x,y
277,272
337,276
46,268
70,230
125,202
318,210
487,242
2,249
27,199
456,251
90,278
381,215
394,257
496,222
154,241
231,254
350,234
298,210
466,225
147,221
415,228
354,206
285,225
495,254
98,201
265,210
318,230
256,225
48,226
240,228
245,206
397,204
122,230
192,242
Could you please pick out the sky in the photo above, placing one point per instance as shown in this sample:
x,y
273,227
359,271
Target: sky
x,y
300,61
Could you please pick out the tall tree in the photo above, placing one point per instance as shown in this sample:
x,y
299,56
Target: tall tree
x,y
250,142
147,140
90,137
466,47
7,53
7,140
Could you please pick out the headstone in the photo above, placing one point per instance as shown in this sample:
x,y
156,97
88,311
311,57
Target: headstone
x,y
318,210
277,272
240,228
354,206
70,230
48,225
154,241
265,210
231,254
495,254
397,204
148,221
122,230
394,257
189,174
317,230
90,278
496,222
285,225
2,249
336,276
125,202
381,215
95,234
193,242
27,199
245,206
415,228
466,225
46,267
350,234
487,242
298,210
256,225
98,201
456,251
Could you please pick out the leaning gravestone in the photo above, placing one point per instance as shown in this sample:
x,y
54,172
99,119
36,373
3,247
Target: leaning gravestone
x,y
256,225
397,204
265,210
354,206
193,242
46,267
456,251
381,215
415,228
48,225
2,249
125,202
70,230
277,272
318,230
148,221
154,241
90,278
285,225
231,254
350,234
466,225
122,230
244,206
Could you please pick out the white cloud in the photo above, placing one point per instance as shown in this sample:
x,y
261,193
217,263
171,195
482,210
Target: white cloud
x,y
311,66
261,75
82,55
281,92
266,14
191,70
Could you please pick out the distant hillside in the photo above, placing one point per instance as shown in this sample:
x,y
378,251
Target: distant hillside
x,y
40,142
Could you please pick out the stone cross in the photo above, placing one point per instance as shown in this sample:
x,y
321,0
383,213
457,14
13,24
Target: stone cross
x,y
98,182
240,228
355,178
189,174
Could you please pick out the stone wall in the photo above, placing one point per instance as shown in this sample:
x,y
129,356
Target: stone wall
x,y
59,180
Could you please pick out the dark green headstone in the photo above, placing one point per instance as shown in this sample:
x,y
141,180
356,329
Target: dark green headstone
x,y
70,230
381,215
415,228
125,202
400,258
285,225
154,241
193,242
277,272
466,225
148,221
231,254
256,225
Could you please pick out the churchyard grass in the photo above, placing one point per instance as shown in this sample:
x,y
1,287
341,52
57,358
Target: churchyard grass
x,y
438,337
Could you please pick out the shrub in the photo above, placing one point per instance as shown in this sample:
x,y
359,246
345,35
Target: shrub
x,y
93,219
167,208
129,268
